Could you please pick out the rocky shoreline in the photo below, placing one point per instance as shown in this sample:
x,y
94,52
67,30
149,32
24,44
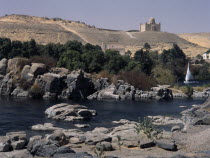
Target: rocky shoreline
x,y
127,139
20,78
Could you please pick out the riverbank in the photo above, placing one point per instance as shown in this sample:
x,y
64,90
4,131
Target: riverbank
x,y
124,138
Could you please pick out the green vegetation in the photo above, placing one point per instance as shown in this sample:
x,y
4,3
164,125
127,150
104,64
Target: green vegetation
x,y
187,90
146,69
146,126
119,142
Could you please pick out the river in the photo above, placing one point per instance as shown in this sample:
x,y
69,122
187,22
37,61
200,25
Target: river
x,y
21,114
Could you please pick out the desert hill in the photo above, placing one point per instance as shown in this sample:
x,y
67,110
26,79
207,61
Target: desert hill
x,y
55,30
202,39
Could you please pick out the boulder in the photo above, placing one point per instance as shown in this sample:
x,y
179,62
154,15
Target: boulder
x,y
131,143
77,140
61,71
93,139
166,144
46,150
45,127
146,144
37,69
69,112
58,137
101,83
79,86
82,125
175,128
104,146
26,75
49,82
85,113
5,144
6,85
32,141
18,140
16,65
107,93
64,150
18,145
195,116
16,136
19,92
3,66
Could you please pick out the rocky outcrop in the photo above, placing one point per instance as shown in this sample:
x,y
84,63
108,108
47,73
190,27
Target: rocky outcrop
x,y
29,73
49,83
78,86
6,85
3,66
69,112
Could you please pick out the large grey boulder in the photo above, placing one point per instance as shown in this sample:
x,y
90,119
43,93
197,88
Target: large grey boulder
x,y
37,69
195,116
61,71
18,145
19,92
6,85
69,112
16,65
49,82
26,75
58,138
108,93
79,86
18,140
93,139
101,83
47,150
104,146
5,144
3,66
146,144
166,144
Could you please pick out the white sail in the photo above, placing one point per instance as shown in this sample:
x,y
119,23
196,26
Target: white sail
x,y
189,76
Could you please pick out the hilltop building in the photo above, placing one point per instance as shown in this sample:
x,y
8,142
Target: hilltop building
x,y
206,55
150,26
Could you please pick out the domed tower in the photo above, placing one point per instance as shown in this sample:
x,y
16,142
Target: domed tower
x,y
152,21
150,26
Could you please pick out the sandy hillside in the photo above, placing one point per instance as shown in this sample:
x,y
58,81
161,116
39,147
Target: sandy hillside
x,y
45,30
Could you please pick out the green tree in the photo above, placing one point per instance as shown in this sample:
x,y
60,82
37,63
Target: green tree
x,y
114,62
71,60
145,61
147,47
93,60
5,47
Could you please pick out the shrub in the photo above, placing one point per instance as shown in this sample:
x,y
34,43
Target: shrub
x,y
36,92
163,75
137,79
48,61
187,90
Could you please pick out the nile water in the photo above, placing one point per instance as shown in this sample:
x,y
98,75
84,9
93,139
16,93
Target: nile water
x,y
21,114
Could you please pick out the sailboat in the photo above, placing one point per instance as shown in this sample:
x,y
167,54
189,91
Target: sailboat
x,y
189,77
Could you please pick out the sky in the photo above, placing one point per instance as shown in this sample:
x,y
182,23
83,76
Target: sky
x,y
176,16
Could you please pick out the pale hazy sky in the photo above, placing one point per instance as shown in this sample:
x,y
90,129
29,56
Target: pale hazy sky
x,y
176,16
